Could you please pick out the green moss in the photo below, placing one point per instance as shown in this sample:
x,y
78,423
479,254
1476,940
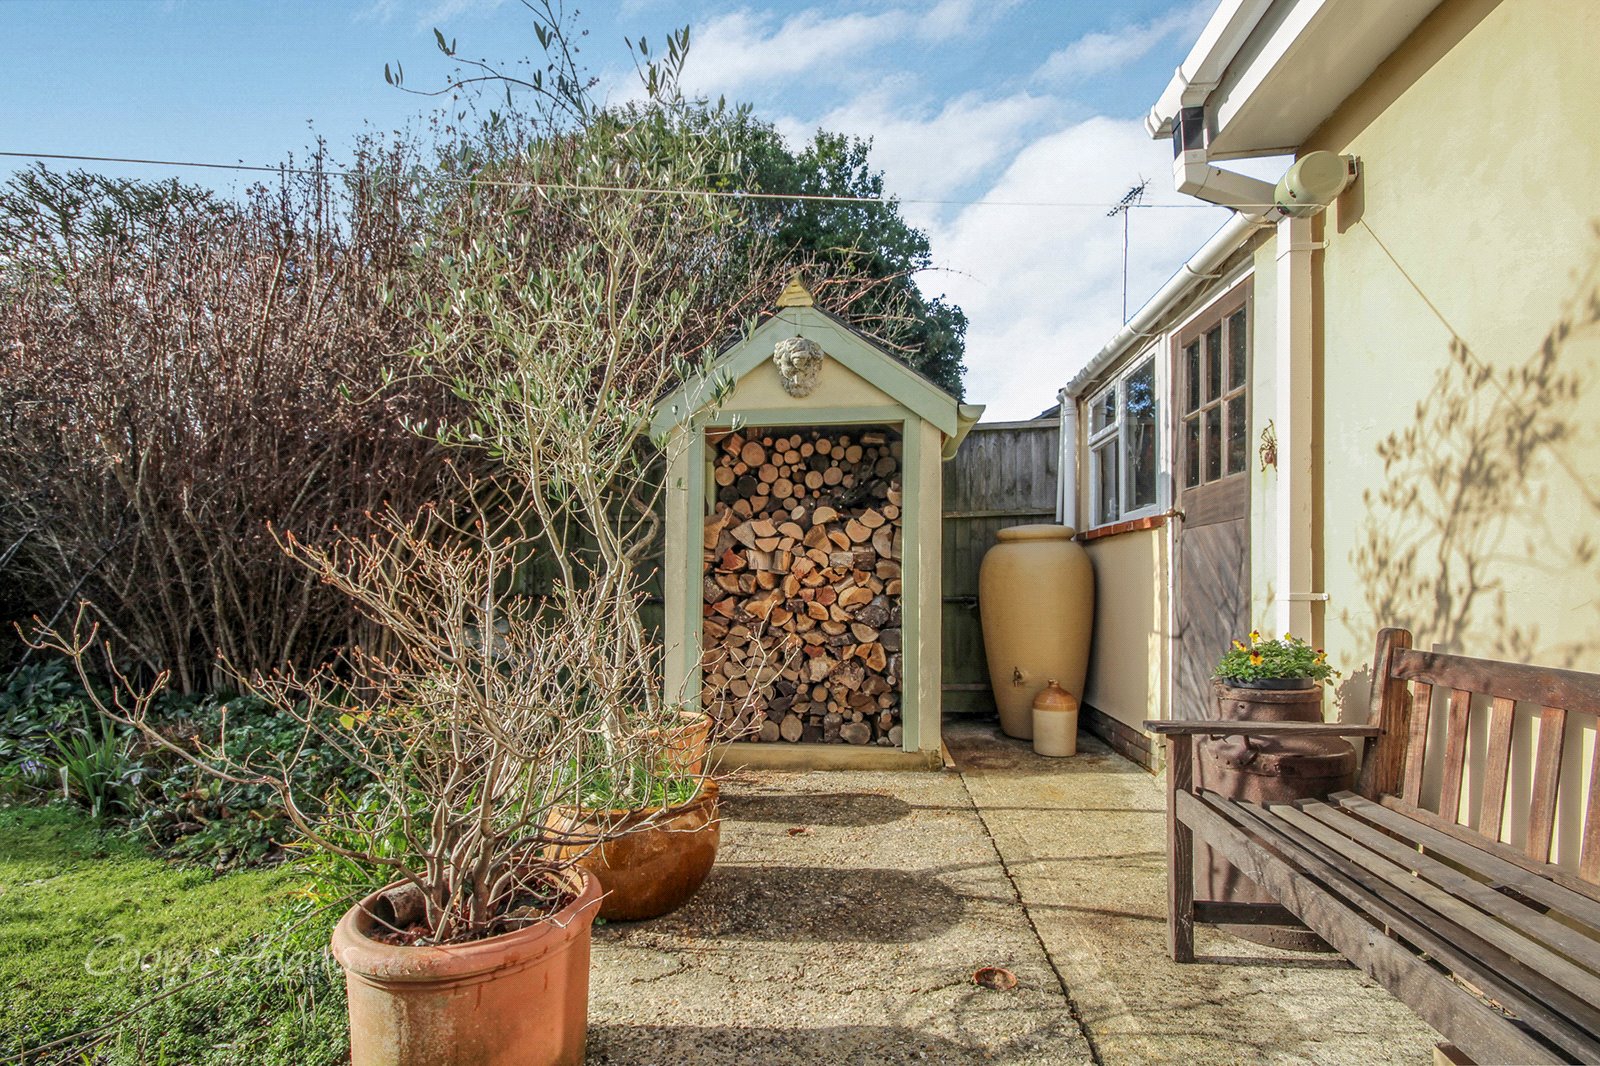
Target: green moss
x,y
94,926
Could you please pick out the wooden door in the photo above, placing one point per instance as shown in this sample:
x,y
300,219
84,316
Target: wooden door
x,y
1212,568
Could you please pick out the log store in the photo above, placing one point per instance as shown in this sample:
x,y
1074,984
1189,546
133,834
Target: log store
x,y
802,571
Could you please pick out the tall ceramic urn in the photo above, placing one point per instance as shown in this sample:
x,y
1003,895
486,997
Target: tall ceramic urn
x,y
1036,596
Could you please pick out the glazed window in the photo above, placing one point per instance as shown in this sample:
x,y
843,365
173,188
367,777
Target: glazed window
x,y
1213,365
1125,445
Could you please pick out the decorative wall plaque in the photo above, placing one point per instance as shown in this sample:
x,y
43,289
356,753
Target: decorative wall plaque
x,y
799,361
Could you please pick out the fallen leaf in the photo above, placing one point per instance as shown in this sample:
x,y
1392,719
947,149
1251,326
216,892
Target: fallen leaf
x,y
800,831
996,977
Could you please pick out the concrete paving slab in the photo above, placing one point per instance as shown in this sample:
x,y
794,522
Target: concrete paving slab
x,y
852,942
1084,840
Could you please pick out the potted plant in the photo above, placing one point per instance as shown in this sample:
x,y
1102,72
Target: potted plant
x,y
470,728
1276,680
650,838
1286,663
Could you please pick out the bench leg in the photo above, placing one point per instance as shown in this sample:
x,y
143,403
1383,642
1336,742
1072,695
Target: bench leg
x,y
1180,853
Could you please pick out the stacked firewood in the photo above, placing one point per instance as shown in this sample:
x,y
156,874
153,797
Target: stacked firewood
x,y
802,587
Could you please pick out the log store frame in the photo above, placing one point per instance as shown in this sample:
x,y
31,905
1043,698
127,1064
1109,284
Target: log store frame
x,y
858,384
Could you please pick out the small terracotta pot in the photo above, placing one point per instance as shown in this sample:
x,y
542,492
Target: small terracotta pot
x,y
517,998
684,746
644,872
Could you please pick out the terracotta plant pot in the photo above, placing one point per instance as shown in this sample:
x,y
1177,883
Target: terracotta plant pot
x,y
685,746
1270,684
647,872
518,998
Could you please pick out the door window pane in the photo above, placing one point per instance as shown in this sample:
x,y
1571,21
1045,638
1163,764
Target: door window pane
x,y
1214,443
1191,451
1105,485
1214,363
1236,349
1236,434
1191,358
1139,434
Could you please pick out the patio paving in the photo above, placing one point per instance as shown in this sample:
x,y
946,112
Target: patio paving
x,y
855,939
1084,839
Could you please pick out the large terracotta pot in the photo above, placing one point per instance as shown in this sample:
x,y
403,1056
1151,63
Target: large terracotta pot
x,y
644,872
1036,596
518,998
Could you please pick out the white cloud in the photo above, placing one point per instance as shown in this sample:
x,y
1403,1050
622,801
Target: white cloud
x,y
744,49
1040,286
740,50
1098,53
932,156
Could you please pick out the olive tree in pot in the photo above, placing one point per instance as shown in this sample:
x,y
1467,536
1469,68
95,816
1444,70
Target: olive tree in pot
x,y
472,726
582,281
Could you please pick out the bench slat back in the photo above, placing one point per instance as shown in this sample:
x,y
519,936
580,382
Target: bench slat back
x,y
1404,699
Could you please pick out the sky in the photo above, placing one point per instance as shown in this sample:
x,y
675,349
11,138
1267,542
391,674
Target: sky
x,y
1006,127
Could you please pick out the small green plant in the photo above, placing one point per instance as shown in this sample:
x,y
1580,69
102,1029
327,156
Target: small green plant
x,y
97,769
1270,660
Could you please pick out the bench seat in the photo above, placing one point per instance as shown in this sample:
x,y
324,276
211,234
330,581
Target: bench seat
x,y
1486,940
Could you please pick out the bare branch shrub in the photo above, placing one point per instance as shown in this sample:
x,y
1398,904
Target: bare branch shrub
x,y
180,371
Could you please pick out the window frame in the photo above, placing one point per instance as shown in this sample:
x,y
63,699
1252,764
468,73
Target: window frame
x,y
1215,314
1118,431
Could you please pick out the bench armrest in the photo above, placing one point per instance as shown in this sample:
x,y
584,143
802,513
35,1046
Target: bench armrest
x,y
1220,728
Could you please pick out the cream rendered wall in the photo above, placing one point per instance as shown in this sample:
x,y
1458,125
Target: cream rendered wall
x,y
1460,350
1128,654
1263,390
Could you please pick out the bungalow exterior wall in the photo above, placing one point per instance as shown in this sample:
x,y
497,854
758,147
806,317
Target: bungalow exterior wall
x,y
1455,368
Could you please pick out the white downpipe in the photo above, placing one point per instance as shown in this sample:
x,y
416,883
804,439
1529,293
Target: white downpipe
x,y
1067,483
1292,576
1193,175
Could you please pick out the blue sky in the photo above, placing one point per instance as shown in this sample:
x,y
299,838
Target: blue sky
x,y
966,101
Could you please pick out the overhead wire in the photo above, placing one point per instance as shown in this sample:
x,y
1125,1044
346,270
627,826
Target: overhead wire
x,y
736,194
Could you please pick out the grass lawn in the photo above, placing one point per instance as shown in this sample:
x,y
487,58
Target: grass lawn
x,y
91,926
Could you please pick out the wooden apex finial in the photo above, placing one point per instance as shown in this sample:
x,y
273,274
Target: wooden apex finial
x,y
795,294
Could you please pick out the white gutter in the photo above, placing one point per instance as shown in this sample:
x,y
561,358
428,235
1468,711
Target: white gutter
x,y
967,415
1199,268
1201,71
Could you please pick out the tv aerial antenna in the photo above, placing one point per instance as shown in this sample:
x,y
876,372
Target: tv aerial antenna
x,y
1134,197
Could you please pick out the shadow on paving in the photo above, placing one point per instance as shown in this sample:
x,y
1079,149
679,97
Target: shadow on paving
x,y
845,809
804,903
978,744
836,1044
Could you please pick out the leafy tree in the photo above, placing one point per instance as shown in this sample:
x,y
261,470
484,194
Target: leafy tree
x,y
863,239
861,257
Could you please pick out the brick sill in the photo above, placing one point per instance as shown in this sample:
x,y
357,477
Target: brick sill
x,y
1155,521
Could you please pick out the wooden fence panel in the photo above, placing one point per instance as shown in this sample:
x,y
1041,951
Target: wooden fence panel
x,y
1004,475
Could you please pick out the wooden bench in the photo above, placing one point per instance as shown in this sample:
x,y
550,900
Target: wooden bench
x,y
1486,940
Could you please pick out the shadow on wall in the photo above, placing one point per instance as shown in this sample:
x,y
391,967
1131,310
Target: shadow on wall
x,y
1464,499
